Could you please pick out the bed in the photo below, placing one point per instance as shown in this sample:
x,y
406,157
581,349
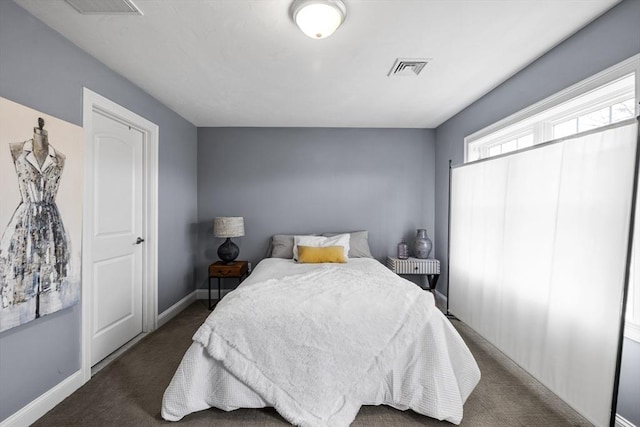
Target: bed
x,y
316,341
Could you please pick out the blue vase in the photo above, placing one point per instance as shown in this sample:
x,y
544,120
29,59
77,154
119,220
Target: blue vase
x,y
422,245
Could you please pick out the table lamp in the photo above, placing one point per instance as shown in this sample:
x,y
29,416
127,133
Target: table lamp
x,y
228,226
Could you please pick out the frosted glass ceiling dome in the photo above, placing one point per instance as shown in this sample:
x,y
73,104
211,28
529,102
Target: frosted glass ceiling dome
x,y
318,18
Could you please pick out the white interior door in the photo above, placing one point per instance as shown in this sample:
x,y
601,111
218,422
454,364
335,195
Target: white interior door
x,y
117,253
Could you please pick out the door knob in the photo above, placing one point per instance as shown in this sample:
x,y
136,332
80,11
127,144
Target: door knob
x,y
139,240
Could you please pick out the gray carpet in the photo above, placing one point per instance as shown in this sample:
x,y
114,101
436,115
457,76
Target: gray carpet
x,y
128,392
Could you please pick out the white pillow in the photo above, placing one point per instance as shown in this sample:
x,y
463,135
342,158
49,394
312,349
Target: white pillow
x,y
322,242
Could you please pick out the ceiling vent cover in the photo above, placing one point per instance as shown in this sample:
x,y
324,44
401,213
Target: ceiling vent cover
x,y
105,7
407,67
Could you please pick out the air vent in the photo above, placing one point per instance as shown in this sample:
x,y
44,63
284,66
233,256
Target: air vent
x,y
105,7
407,67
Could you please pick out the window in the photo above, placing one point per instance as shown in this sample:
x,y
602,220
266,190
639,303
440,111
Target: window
x,y
610,103
608,97
601,117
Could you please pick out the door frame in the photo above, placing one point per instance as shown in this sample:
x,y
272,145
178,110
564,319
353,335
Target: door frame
x,y
93,102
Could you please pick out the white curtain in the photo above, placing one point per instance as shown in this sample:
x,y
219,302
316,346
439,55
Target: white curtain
x,y
537,263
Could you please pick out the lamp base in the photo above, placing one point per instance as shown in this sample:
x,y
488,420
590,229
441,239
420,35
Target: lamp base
x,y
228,251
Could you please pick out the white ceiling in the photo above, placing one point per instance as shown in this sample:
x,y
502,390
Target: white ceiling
x,y
245,63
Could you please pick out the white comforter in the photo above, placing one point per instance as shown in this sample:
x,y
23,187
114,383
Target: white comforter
x,y
318,341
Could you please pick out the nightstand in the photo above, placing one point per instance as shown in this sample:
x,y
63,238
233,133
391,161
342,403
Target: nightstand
x,y
236,270
424,267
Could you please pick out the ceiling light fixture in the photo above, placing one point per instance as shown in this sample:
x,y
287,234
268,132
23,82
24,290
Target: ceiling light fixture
x,y
318,18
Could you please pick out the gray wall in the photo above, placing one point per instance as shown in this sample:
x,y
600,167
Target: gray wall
x,y
44,71
611,38
303,180
281,180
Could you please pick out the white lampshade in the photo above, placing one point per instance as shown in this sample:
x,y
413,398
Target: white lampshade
x,y
318,18
228,226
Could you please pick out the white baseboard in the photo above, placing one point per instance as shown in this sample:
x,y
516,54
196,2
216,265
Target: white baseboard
x,y
185,302
46,402
176,308
443,298
623,422
631,331
204,293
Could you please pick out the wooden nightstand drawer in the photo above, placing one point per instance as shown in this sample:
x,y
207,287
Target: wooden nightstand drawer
x,y
237,269
219,270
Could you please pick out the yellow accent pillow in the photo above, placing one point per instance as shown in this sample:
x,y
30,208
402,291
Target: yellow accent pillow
x,y
315,255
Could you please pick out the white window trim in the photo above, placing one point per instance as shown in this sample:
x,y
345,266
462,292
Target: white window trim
x,y
617,71
594,106
511,136
628,66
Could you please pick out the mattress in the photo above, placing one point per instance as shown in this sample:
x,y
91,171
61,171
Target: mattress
x,y
432,372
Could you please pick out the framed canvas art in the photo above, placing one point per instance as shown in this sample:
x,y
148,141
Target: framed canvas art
x,y
41,174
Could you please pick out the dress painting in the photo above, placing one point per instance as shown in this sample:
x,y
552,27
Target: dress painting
x,y
35,247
